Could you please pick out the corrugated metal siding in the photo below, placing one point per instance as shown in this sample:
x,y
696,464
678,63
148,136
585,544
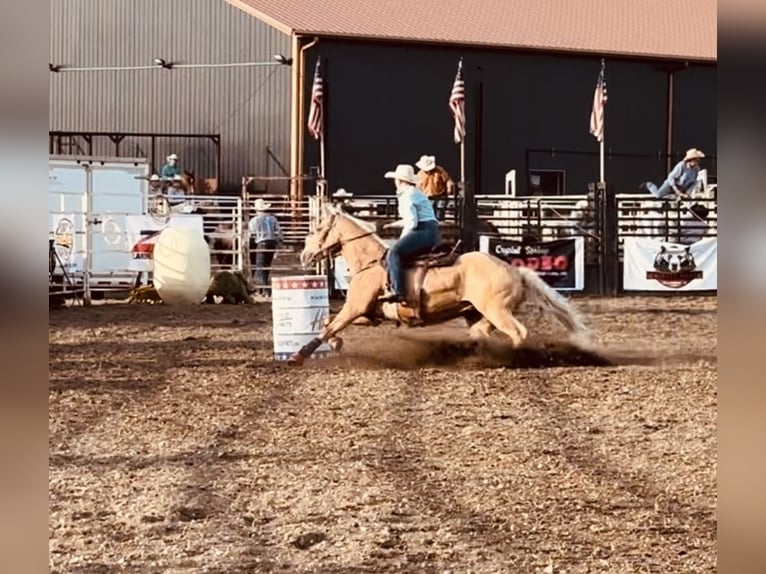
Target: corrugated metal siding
x,y
249,107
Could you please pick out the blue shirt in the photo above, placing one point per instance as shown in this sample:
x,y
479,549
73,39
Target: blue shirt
x,y
683,176
264,227
414,207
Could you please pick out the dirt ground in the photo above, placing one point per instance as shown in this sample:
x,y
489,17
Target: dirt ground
x,y
178,445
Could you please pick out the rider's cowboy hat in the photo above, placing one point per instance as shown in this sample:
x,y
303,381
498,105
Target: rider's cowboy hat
x,y
178,178
172,156
154,177
426,162
261,205
342,193
693,153
403,172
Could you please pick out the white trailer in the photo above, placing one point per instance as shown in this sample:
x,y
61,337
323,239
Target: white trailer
x,y
89,199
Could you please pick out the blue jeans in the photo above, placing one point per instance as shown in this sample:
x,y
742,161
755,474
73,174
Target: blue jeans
x,y
419,241
660,192
261,256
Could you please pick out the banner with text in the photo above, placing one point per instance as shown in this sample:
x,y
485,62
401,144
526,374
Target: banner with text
x,y
654,265
143,232
561,262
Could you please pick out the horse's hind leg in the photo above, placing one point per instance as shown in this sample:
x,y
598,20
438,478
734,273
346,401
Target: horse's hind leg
x,y
503,320
481,329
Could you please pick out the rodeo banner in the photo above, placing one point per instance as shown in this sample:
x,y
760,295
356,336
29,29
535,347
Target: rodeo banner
x,y
143,232
654,265
561,262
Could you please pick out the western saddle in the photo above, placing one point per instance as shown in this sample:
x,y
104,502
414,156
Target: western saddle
x,y
442,255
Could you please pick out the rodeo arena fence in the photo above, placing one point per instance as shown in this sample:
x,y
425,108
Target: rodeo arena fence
x,y
104,219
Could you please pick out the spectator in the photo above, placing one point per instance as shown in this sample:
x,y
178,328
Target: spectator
x,y
342,199
265,236
170,169
682,179
155,185
176,193
436,183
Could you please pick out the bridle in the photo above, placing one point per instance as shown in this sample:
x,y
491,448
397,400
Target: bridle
x,y
336,247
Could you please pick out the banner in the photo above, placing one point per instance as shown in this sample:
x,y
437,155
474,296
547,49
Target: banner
x,y
66,244
143,232
560,263
654,265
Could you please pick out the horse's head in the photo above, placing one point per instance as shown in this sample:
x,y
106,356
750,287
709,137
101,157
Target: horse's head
x,y
188,181
336,229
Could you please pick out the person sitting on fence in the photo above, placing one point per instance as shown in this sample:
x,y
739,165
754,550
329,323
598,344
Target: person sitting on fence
x,y
170,169
265,236
420,228
436,183
682,179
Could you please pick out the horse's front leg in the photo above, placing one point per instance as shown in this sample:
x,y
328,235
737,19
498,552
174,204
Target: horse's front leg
x,y
342,320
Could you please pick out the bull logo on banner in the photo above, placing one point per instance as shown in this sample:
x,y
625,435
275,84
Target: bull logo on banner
x,y
674,268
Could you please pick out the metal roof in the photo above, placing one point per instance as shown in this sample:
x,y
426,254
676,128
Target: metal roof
x,y
677,29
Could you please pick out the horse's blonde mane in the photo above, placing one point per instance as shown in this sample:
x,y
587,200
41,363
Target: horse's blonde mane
x,y
367,226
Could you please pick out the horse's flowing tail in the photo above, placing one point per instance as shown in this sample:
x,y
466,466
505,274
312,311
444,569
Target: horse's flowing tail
x,y
539,293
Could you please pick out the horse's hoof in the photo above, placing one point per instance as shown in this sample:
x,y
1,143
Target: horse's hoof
x,y
295,360
336,344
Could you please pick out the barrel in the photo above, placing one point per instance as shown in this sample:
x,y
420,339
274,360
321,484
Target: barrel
x,y
300,305
181,266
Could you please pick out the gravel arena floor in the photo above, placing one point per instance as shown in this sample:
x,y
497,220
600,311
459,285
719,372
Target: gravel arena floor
x,y
178,445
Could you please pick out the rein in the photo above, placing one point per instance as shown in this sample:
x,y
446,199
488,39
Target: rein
x,y
328,251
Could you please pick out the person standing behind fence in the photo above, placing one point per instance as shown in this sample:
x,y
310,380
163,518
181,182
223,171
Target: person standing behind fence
x,y
436,183
265,236
681,180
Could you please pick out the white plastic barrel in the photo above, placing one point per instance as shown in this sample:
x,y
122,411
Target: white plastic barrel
x,y
181,266
299,306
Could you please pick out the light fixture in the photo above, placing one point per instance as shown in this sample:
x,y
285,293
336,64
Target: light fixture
x,y
283,60
53,67
162,63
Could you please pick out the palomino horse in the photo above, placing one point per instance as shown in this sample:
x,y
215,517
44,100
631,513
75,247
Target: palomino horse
x,y
477,286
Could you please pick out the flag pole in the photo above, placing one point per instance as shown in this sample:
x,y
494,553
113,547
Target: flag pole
x,y
602,180
321,165
462,165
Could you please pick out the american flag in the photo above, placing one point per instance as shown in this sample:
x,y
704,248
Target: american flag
x,y
315,111
599,101
457,103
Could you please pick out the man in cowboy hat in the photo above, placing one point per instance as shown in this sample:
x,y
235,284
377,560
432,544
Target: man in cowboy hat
x,y
170,169
420,228
681,180
265,236
342,199
435,182
155,185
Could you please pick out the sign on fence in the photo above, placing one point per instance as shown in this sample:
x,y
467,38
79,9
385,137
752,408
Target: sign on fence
x,y
63,231
143,232
560,263
655,265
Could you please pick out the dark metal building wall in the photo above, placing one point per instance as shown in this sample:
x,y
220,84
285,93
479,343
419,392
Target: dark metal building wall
x,y
249,107
695,109
387,104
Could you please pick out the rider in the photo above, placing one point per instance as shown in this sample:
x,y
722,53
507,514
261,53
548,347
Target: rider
x,y
420,228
